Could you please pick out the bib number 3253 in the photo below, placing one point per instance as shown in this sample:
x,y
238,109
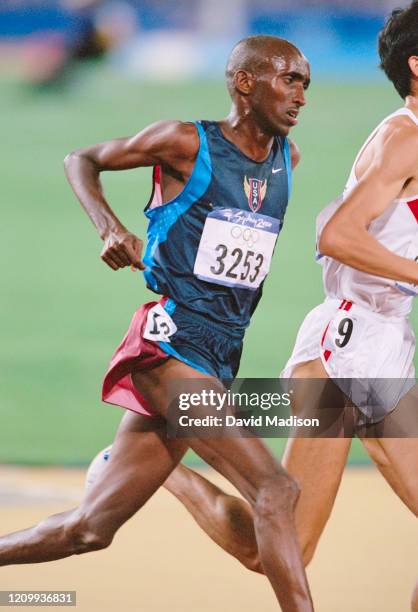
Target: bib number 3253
x,y
236,248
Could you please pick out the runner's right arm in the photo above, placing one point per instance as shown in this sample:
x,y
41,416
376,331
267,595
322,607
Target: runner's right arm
x,y
345,237
171,144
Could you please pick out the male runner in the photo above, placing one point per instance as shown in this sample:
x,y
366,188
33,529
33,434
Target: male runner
x,y
216,186
369,246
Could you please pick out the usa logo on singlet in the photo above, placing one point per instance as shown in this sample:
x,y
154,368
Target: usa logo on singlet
x,y
255,191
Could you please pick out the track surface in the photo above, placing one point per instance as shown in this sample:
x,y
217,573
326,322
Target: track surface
x,y
160,561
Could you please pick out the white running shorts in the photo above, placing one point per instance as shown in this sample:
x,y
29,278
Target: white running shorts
x,y
372,351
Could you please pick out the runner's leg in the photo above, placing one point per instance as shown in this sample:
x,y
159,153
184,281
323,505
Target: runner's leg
x,y
414,600
249,465
317,464
397,458
228,519
142,458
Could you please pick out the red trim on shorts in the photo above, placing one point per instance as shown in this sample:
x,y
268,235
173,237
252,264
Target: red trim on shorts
x,y
327,355
133,354
324,334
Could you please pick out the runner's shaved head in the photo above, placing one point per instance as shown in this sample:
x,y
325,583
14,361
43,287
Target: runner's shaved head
x,y
254,53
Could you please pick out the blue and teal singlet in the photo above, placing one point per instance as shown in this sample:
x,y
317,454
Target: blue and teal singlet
x,y
209,249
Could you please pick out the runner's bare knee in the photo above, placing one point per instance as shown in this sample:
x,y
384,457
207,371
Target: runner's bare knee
x,y
84,535
276,497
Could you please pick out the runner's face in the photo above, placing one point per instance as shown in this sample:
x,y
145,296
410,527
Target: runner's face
x,y
280,92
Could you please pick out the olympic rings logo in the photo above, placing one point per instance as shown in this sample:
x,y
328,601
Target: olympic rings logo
x,y
244,235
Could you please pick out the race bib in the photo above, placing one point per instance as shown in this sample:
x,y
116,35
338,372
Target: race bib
x,y
236,248
411,253
342,335
159,326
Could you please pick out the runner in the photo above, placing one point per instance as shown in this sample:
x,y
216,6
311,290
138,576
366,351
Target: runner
x,y
220,194
368,244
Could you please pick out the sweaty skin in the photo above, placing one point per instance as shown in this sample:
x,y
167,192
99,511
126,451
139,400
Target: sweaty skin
x,y
267,81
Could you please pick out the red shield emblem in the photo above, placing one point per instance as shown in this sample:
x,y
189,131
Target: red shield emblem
x,y
255,191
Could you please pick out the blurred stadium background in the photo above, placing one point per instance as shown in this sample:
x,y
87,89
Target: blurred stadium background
x,y
76,72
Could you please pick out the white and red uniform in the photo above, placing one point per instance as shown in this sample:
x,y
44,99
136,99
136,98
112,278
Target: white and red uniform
x,y
361,331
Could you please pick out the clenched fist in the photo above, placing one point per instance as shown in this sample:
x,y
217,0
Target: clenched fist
x,y
121,249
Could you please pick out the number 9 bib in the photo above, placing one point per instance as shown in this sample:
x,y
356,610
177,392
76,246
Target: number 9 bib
x,y
341,338
236,248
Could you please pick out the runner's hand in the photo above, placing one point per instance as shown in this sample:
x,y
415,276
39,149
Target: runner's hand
x,y
122,249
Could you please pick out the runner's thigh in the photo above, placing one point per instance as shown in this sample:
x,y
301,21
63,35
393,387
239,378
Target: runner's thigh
x,y
246,462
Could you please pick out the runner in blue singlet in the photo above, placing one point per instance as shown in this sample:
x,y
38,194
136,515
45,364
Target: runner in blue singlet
x,y
220,194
